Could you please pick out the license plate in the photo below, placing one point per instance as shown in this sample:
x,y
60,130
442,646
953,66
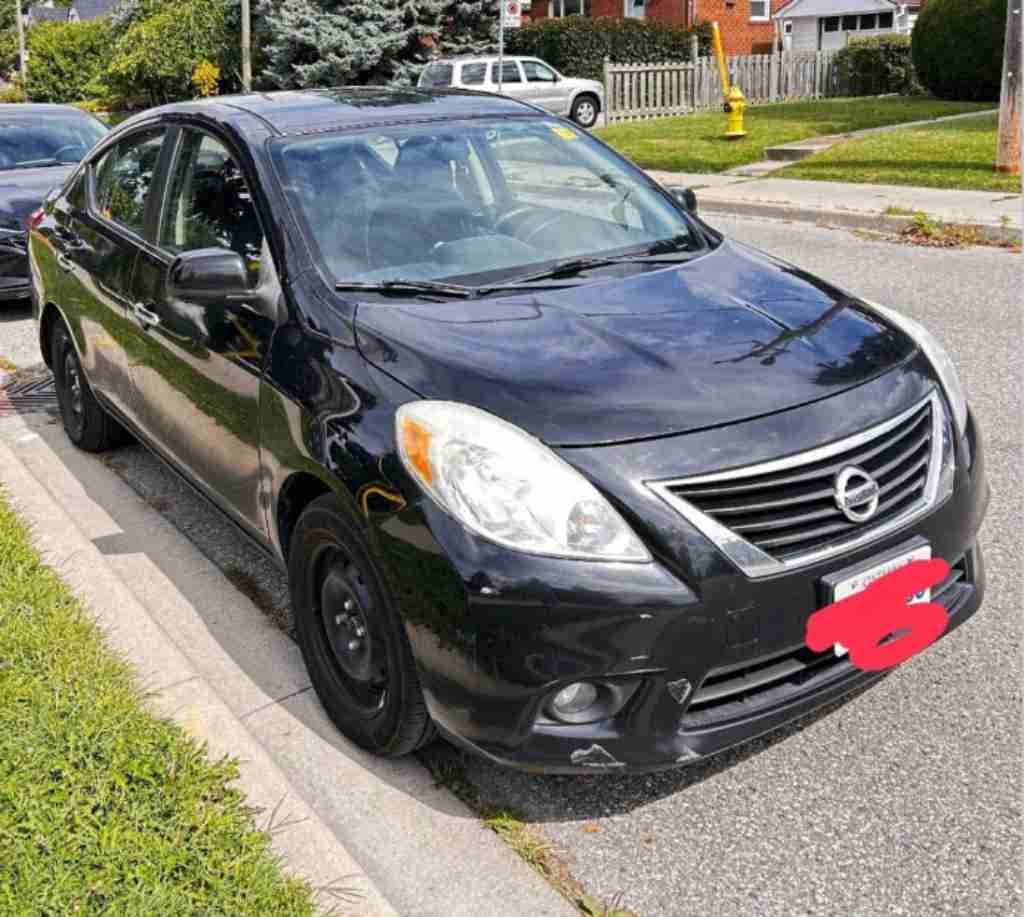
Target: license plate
x,y
858,582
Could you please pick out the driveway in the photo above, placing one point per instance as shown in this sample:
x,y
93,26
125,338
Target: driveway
x,y
903,800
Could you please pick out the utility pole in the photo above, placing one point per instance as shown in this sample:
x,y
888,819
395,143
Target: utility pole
x,y
1008,149
22,53
246,46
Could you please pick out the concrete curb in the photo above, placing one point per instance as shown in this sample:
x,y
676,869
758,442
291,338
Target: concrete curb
x,y
413,846
844,219
177,690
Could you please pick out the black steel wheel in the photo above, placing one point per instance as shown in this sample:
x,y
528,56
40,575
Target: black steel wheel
x,y
351,635
87,425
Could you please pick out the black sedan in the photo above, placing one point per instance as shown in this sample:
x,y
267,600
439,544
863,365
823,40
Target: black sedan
x,y
39,146
554,468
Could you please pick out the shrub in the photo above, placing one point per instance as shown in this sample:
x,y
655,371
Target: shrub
x,y
206,79
958,48
157,55
578,46
875,66
13,93
64,57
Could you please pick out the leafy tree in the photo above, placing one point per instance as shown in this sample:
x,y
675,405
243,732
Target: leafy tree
x,y
64,57
333,42
160,46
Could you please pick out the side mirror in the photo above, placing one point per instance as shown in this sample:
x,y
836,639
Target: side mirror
x,y
686,197
208,275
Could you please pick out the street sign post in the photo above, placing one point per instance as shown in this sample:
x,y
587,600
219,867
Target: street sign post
x,y
510,17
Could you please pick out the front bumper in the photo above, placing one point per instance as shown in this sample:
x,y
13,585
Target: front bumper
x,y
496,633
15,283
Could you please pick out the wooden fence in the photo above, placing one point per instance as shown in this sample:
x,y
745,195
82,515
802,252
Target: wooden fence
x,y
634,91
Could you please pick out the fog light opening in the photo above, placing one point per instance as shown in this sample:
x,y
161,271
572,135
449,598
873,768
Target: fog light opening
x,y
573,699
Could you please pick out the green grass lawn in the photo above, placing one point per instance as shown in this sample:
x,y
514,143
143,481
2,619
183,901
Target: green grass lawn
x,y
694,143
103,807
955,154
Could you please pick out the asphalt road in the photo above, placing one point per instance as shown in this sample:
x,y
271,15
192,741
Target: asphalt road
x,y
904,800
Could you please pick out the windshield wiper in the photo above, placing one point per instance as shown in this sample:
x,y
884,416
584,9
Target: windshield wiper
x,y
655,254
407,286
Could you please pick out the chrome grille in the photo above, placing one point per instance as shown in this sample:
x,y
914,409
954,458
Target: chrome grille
x,y
781,513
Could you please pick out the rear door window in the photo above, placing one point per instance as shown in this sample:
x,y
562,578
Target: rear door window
x,y
509,73
124,179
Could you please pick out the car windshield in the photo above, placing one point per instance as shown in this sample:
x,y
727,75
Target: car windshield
x,y
46,139
489,199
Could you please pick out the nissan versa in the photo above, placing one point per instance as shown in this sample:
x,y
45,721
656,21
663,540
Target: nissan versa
x,y
556,470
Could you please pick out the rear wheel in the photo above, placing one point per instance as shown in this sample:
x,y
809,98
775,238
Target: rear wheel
x,y
87,425
351,635
585,110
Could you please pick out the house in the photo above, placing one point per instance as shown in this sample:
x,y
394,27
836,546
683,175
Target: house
x,y
78,11
824,25
746,25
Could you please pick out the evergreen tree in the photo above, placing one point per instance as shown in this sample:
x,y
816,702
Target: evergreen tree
x,y
334,42
469,27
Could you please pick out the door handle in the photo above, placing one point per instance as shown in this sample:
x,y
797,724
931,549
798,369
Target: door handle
x,y
145,316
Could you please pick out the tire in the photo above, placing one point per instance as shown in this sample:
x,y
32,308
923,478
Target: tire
x,y
351,635
585,111
87,425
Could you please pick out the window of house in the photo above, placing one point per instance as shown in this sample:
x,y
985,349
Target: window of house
x,y
759,9
831,24
885,20
558,9
787,27
473,74
537,72
209,205
850,23
509,73
867,21
124,177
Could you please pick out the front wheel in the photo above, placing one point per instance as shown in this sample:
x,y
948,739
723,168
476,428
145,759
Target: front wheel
x,y
351,635
87,425
585,110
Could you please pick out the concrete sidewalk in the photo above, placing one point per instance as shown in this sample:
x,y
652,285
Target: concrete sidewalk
x,y
376,837
853,206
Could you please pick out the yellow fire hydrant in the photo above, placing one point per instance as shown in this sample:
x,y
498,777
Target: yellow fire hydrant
x,y
735,104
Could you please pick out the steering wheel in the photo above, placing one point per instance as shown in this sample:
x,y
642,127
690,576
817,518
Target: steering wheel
x,y
70,152
507,217
550,221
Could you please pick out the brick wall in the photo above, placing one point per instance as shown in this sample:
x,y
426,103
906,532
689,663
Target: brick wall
x,y
739,34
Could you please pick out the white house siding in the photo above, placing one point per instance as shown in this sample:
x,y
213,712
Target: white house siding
x,y
805,34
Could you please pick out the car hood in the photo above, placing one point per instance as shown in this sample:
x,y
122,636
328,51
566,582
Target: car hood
x,y
23,190
730,336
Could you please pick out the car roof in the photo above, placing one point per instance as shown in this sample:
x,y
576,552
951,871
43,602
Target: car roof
x,y
318,110
482,59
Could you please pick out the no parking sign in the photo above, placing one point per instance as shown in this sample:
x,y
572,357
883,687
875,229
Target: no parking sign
x,y
513,13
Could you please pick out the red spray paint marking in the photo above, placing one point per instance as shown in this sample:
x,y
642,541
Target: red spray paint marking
x,y
863,620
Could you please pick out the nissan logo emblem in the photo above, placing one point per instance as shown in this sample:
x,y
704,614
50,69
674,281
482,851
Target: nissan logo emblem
x,y
856,494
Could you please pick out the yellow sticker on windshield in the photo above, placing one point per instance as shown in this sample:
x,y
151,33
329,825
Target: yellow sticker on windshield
x,y
566,133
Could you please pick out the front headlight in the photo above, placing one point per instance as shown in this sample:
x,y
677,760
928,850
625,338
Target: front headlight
x,y
503,484
938,357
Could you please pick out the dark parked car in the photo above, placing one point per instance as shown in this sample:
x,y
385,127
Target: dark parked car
x,y
39,146
554,468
